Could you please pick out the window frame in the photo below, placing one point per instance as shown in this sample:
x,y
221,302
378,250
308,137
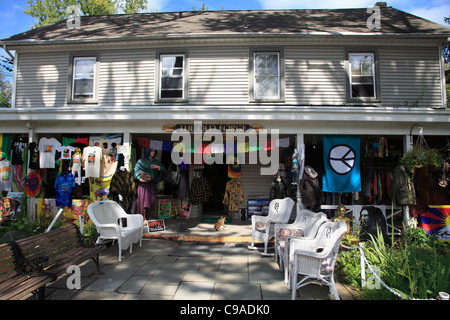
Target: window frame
x,y
71,78
375,76
252,74
159,77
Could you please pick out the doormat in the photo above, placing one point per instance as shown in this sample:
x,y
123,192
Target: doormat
x,y
215,219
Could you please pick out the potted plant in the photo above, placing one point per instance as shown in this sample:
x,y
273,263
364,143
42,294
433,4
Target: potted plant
x,y
421,157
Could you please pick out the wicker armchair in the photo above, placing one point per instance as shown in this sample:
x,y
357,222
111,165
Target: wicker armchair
x,y
305,226
263,227
314,259
105,216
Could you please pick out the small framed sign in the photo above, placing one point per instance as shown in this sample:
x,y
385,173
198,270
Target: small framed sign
x,y
164,208
156,225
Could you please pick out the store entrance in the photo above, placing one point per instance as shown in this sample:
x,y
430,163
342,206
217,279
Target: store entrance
x,y
218,177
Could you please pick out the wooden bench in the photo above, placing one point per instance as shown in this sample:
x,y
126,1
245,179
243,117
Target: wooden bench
x,y
19,280
54,252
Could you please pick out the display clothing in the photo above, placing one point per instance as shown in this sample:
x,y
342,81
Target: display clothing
x,y
64,184
378,184
234,167
183,186
91,161
33,184
47,152
147,191
234,195
144,165
312,195
75,165
403,191
17,146
5,145
108,165
200,191
66,152
5,176
278,189
146,199
33,162
122,183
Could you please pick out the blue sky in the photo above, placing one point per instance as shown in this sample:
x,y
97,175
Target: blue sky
x,y
13,20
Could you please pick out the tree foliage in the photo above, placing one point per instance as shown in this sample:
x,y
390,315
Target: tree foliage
x,y
5,91
51,11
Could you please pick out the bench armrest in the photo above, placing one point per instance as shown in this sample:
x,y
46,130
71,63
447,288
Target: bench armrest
x,y
32,267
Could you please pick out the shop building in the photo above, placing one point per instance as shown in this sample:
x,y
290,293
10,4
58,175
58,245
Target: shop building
x,y
298,74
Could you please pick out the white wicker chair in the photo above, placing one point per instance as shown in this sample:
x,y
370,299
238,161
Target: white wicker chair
x,y
314,259
305,226
105,216
263,226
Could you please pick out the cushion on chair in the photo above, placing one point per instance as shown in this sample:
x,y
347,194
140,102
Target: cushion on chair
x,y
261,226
281,234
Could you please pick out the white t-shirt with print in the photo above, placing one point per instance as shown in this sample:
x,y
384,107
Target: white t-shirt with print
x,y
47,152
5,176
91,161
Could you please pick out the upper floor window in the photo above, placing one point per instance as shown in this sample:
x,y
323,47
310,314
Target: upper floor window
x,y
266,75
172,77
362,75
83,76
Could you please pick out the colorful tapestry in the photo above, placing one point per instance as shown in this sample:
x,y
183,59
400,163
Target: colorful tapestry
x,y
46,210
99,187
342,168
436,222
234,167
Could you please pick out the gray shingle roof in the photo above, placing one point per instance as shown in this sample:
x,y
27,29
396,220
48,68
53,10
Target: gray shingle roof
x,y
173,24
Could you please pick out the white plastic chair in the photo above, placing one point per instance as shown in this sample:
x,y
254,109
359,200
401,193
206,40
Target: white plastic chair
x,y
314,259
263,227
305,226
105,216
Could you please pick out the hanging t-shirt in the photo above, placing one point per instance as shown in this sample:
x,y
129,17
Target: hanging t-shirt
x,y
64,185
47,151
5,176
17,147
91,160
33,162
108,164
66,152
5,145
33,184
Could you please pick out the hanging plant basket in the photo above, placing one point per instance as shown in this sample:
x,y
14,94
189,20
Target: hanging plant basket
x,y
419,157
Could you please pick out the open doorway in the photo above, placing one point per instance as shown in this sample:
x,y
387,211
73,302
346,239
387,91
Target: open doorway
x,y
217,176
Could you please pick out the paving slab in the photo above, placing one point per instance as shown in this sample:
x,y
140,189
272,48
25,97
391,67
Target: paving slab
x,y
194,291
134,284
234,291
167,277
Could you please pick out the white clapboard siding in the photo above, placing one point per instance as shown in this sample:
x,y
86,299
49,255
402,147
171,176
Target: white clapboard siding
x,y
218,75
41,80
315,75
127,77
410,76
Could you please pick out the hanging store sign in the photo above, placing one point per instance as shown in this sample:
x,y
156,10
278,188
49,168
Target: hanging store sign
x,y
205,127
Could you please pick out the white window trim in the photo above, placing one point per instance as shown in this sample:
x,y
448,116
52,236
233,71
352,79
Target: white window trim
x,y
277,97
94,93
182,75
373,74
71,75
